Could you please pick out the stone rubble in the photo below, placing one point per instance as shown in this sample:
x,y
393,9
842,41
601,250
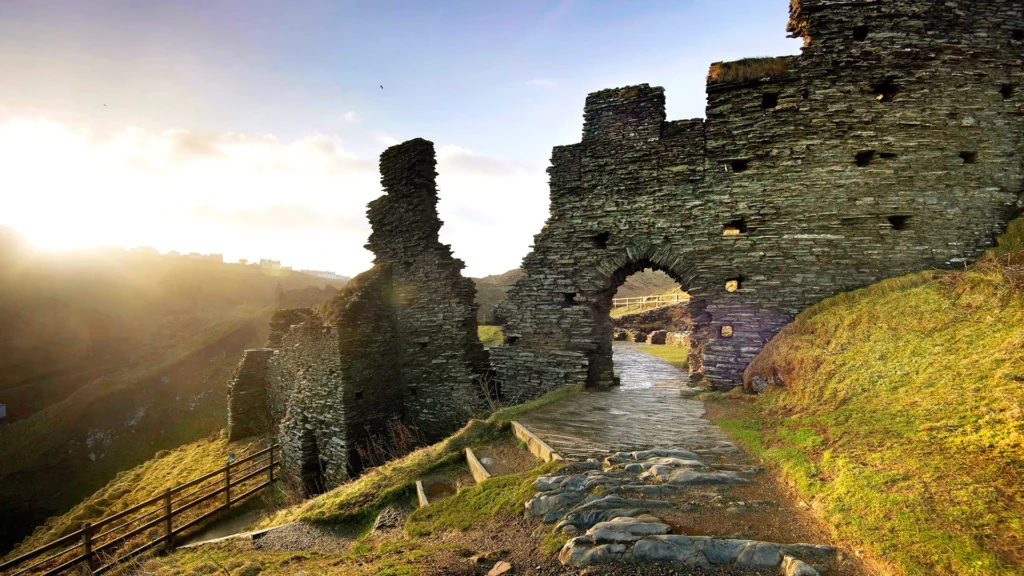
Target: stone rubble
x,y
583,501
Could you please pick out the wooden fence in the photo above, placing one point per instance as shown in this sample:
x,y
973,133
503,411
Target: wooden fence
x,y
101,547
649,302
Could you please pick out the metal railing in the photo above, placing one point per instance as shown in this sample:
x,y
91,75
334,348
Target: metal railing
x,y
649,302
101,550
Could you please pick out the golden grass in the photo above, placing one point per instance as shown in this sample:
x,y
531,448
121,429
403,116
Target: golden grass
x,y
675,355
167,469
490,335
361,499
747,70
902,418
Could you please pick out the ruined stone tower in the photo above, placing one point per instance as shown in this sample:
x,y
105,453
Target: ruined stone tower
x,y
892,144
402,346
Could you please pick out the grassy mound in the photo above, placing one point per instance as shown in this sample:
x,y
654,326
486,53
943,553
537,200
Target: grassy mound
x,y
901,416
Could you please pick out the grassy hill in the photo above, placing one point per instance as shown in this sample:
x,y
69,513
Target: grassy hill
x,y
164,470
899,414
69,318
106,359
490,290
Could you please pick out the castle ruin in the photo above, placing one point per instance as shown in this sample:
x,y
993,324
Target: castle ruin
x,y
892,144
403,346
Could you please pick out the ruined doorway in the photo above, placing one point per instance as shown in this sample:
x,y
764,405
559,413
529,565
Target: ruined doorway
x,y
311,473
642,300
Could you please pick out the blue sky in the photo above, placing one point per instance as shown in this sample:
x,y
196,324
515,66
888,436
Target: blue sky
x,y
221,115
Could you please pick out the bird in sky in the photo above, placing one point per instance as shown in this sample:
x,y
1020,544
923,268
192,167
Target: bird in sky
x,y
381,86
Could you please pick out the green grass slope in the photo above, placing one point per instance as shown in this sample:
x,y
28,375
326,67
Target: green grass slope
x,y
109,357
58,456
147,480
361,499
901,416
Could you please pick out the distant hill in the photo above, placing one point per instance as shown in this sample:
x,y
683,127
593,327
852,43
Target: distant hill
x,y
646,283
108,357
490,290
67,319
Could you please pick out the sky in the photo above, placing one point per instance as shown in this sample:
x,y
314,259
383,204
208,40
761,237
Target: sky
x,y
252,128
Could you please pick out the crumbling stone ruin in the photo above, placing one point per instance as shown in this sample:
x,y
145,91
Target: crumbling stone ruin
x,y
892,144
402,346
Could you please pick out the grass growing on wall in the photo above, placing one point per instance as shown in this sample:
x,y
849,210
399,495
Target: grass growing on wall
x,y
902,418
747,69
490,335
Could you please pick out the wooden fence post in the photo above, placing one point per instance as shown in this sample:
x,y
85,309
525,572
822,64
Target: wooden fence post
x,y
168,522
87,544
227,485
271,467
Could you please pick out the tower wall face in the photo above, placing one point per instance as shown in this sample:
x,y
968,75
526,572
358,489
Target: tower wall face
x,y
440,353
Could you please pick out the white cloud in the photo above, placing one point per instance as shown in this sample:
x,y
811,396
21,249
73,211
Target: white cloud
x,y
387,140
350,117
247,195
542,82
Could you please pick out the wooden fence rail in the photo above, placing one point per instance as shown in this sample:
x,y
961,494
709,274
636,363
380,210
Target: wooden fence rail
x,y
649,302
101,550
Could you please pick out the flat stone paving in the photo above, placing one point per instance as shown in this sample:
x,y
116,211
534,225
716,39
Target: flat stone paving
x,y
648,410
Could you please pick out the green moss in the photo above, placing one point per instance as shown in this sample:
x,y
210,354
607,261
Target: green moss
x,y
1011,240
505,415
490,335
901,419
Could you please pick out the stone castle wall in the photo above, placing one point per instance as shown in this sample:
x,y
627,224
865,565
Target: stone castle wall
x,y
892,144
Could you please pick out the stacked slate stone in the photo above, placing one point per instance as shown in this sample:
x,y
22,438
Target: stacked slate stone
x,y
403,348
306,402
441,357
282,321
891,145
372,394
247,395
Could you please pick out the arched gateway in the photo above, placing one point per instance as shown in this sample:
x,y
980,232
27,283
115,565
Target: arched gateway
x,y
811,175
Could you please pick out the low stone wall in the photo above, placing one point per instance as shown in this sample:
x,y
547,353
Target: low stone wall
x,y
248,412
677,339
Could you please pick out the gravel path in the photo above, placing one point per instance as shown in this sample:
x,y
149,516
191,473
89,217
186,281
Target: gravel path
x,y
303,536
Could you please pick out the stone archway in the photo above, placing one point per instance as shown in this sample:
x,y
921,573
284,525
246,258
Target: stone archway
x,y
636,259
